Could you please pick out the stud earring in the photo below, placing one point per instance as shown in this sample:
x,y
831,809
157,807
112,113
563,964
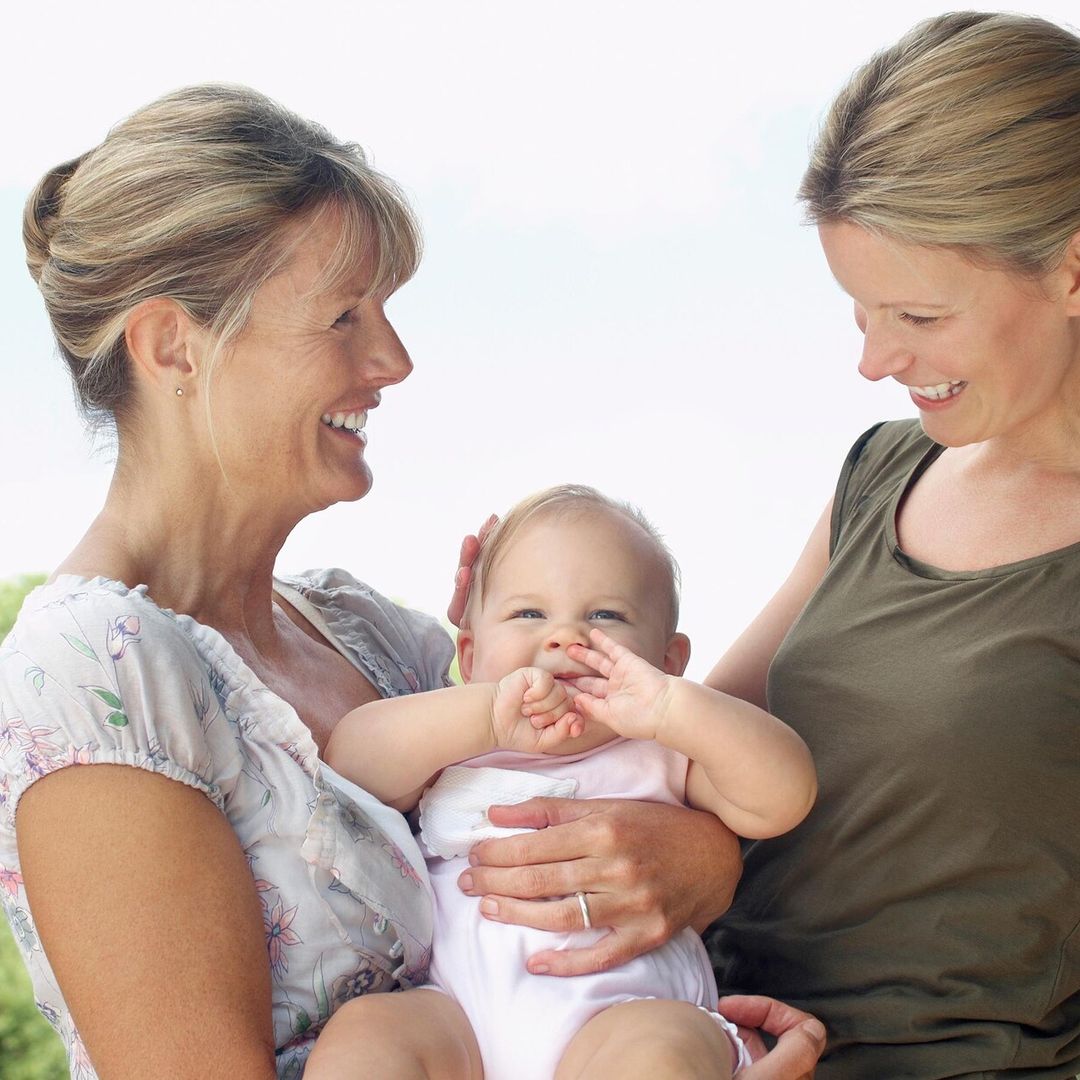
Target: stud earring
x,y
179,391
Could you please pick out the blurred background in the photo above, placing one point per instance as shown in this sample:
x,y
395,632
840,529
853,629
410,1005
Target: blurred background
x,y
617,290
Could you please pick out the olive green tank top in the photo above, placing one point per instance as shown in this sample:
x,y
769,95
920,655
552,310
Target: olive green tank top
x,y
927,910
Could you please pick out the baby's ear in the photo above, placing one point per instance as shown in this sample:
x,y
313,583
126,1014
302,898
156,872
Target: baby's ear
x,y
677,654
465,653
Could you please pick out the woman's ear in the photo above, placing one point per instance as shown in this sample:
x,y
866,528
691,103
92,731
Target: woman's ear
x,y
1070,268
465,653
677,654
162,341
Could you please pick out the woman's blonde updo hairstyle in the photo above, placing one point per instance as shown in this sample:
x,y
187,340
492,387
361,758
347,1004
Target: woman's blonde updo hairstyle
x,y
965,134
192,198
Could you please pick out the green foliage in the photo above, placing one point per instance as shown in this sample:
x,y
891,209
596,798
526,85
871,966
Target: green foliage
x,y
12,593
29,1048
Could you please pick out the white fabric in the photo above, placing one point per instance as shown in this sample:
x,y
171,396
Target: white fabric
x,y
523,1023
453,811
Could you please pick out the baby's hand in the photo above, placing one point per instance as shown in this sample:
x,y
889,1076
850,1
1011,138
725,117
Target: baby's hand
x,y
630,698
533,713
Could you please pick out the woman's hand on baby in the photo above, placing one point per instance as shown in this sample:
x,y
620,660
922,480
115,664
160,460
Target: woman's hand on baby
x,y
648,869
470,548
800,1037
533,712
630,696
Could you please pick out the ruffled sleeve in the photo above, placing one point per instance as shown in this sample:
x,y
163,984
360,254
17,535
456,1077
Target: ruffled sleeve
x,y
96,673
404,651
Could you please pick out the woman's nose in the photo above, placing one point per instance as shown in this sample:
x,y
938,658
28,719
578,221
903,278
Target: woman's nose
x,y
882,355
388,361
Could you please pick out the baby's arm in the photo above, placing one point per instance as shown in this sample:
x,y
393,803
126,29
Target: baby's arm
x,y
394,747
746,766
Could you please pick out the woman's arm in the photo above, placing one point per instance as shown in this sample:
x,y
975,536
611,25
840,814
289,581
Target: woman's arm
x,y
743,670
148,914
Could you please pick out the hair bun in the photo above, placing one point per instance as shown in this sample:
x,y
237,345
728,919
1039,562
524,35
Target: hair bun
x,y
42,214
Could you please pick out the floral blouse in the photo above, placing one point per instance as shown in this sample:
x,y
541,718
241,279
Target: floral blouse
x,y
95,672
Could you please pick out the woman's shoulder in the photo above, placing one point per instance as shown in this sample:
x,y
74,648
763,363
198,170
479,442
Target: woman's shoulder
x,y
404,649
888,443
95,672
73,612
882,457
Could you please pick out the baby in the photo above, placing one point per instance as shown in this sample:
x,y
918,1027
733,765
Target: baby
x,y
572,667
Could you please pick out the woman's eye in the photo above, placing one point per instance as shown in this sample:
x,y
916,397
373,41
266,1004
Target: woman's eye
x,y
344,318
609,616
528,613
918,320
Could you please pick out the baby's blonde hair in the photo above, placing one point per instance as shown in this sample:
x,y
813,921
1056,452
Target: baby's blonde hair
x,y
196,197
571,500
964,134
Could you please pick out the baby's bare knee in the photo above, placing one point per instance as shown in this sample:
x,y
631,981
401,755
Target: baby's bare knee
x,y
416,1035
640,1039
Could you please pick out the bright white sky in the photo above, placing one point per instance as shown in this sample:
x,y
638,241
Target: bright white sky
x,y
617,288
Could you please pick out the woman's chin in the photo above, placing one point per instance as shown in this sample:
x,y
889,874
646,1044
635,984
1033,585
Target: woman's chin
x,y
342,490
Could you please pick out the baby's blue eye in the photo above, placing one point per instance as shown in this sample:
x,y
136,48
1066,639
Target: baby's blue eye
x,y
528,613
604,613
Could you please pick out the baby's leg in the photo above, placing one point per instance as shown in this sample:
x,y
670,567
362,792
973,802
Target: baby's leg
x,y
412,1035
649,1038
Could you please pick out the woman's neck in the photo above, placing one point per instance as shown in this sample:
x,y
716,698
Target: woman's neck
x,y
196,546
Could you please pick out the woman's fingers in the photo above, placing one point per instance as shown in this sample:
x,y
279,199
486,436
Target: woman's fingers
x,y
544,845
455,610
557,916
800,1037
538,813
612,950
758,1011
648,869
532,882
470,548
563,917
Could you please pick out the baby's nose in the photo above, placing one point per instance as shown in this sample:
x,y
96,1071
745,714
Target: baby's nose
x,y
563,636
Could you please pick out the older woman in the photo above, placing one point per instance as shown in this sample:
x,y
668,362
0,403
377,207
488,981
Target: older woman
x,y
200,898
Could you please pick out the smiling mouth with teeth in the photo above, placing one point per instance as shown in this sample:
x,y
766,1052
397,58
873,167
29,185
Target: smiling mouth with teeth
x,y
940,391
352,421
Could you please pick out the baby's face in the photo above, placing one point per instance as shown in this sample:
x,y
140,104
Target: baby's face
x,y
560,577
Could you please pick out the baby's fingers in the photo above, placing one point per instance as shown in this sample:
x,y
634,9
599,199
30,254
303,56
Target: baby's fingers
x,y
541,686
594,708
593,685
595,659
567,726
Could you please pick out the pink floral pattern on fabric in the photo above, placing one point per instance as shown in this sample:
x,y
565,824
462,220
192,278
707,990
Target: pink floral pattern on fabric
x,y
402,864
279,937
94,672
